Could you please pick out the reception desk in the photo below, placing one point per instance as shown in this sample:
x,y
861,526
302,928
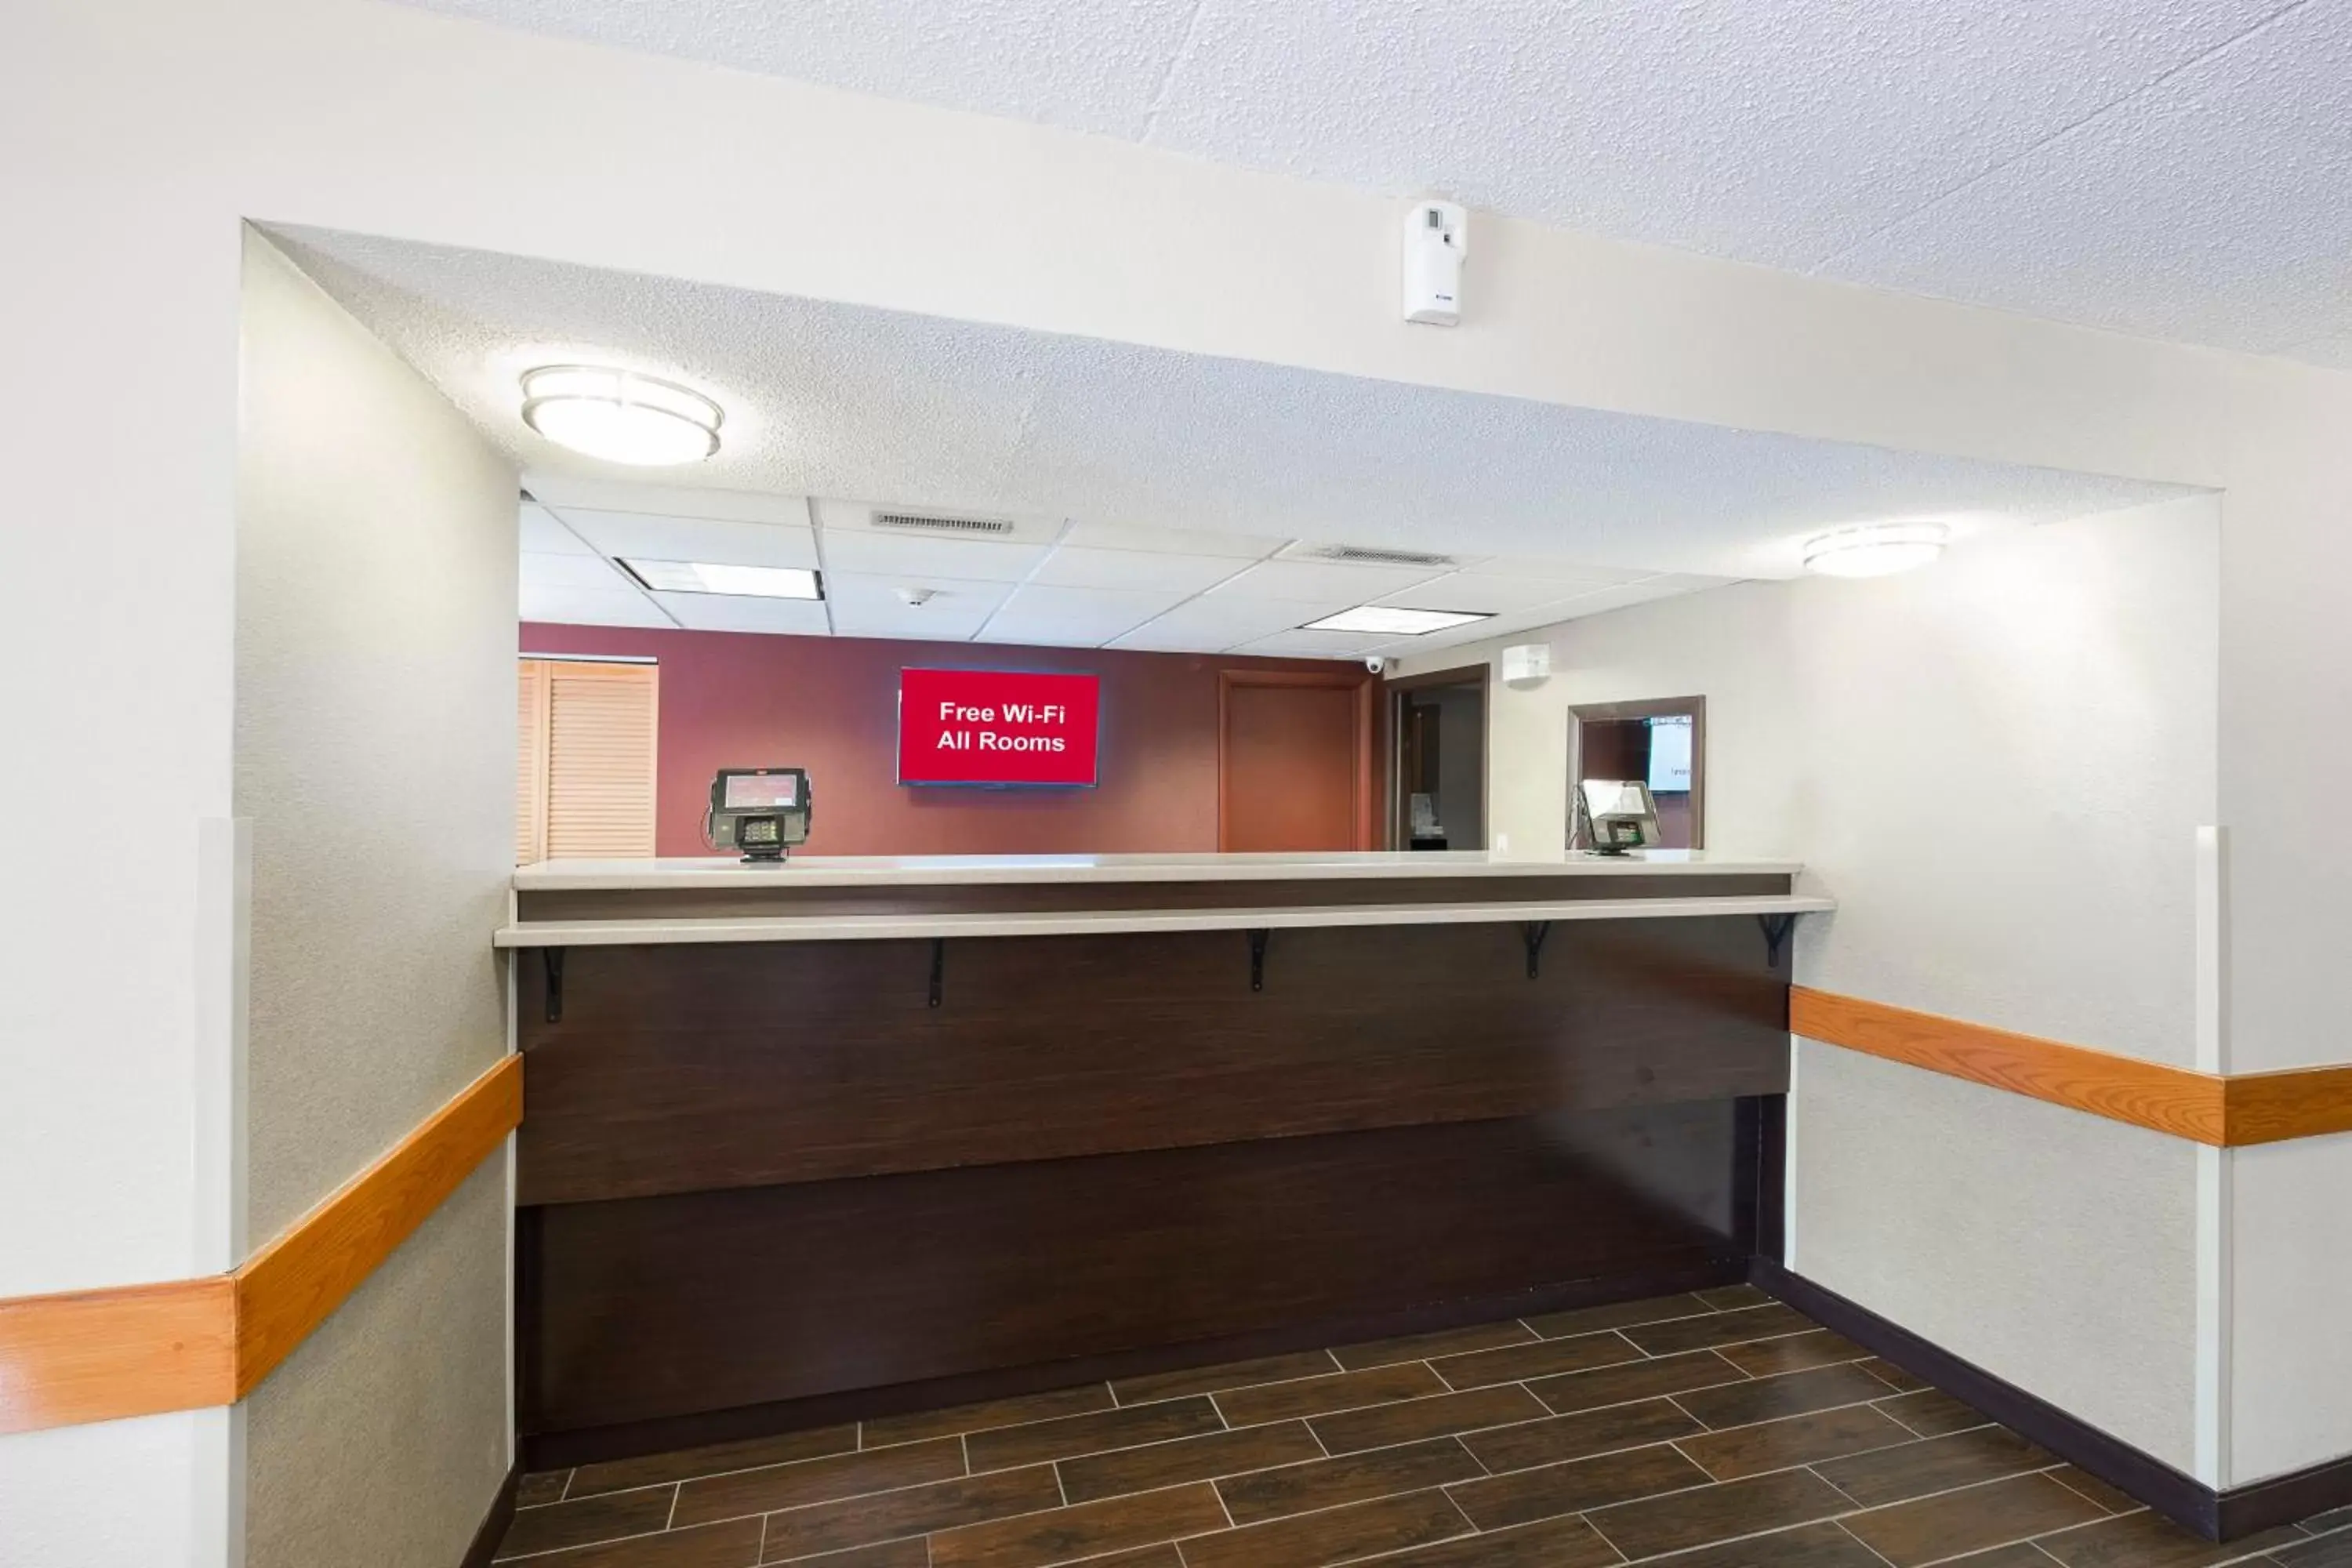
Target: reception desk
x,y
844,1137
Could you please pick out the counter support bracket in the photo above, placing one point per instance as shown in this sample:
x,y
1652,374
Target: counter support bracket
x,y
554,960
1258,957
1776,936
938,966
1533,933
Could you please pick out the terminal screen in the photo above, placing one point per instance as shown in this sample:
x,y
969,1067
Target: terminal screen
x,y
763,792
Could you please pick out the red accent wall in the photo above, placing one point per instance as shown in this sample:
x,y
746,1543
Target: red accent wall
x,y
831,705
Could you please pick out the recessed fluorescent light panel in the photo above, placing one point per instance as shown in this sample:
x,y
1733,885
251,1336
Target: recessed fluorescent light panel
x,y
748,582
1388,619
620,416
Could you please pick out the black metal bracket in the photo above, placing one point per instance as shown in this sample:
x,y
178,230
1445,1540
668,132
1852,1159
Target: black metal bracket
x,y
1776,934
554,960
1257,958
938,966
1533,933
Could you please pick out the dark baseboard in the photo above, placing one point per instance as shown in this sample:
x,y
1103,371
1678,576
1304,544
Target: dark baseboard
x,y
2216,1516
2298,1494
561,1450
494,1523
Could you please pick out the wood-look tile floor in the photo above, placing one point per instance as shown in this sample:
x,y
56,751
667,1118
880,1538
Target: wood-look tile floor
x,y
1720,1430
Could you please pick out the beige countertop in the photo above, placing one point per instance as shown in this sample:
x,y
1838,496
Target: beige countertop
x,y
965,871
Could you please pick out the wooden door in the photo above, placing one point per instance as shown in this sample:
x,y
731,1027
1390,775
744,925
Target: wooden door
x,y
1293,762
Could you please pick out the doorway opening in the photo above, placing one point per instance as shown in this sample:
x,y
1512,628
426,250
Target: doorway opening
x,y
1439,720
1663,743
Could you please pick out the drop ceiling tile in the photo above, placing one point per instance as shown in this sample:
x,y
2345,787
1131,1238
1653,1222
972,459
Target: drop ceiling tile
x,y
543,535
745,612
1310,644
1211,622
1083,616
1580,574
917,558
1320,582
561,491
2215,207
870,606
646,536
590,607
1146,639
1076,566
557,572
1170,541
1490,595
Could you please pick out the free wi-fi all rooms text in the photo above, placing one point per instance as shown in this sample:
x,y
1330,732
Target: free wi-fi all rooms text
x,y
987,739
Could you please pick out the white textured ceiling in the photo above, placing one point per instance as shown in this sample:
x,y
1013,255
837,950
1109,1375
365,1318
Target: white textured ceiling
x,y
2174,168
834,400
1162,499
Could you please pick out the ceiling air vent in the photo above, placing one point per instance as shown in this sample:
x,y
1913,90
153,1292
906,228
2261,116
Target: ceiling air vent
x,y
1364,555
965,526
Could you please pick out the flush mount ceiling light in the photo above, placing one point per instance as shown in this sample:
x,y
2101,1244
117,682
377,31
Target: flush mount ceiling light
x,y
1389,619
620,416
1876,550
746,581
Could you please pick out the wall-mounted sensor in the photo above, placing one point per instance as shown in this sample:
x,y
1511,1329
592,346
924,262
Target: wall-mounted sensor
x,y
1436,239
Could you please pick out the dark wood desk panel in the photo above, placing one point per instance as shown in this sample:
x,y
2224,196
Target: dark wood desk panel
x,y
692,1067
653,1307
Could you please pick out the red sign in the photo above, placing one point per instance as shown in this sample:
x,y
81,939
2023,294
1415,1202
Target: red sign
x,y
996,727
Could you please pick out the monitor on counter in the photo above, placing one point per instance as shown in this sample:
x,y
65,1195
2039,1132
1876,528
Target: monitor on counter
x,y
763,812
1619,815
998,729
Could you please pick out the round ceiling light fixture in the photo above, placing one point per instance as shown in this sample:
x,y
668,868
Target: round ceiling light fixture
x,y
620,416
1876,550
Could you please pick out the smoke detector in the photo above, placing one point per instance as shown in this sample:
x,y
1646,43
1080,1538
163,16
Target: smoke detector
x,y
915,598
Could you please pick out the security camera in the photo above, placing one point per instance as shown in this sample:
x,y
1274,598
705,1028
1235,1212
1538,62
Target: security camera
x,y
1376,664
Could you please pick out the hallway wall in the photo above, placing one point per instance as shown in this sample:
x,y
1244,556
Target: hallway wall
x,y
374,764
1997,766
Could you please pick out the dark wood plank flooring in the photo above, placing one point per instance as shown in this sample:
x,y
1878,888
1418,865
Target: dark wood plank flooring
x,y
1719,1430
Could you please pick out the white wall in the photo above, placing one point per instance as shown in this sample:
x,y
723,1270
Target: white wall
x,y
2047,693
153,128
2290,1346
1996,767
375,761
53,1512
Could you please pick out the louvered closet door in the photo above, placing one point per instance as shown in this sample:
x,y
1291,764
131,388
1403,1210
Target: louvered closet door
x,y
600,759
530,762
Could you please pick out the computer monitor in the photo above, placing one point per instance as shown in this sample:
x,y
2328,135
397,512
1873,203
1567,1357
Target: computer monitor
x,y
762,811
